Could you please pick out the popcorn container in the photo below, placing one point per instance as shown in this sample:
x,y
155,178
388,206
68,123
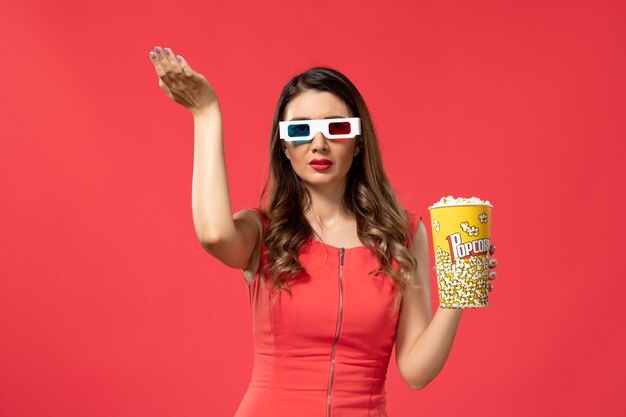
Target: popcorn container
x,y
461,230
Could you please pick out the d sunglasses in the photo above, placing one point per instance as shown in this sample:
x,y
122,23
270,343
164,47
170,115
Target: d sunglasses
x,y
304,130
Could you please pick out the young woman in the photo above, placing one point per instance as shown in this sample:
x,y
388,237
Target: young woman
x,y
338,272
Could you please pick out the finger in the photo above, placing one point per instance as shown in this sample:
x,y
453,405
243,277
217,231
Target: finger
x,y
493,263
174,65
157,62
170,65
492,275
490,288
492,249
185,66
164,64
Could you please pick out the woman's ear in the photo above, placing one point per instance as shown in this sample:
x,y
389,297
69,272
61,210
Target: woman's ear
x,y
284,146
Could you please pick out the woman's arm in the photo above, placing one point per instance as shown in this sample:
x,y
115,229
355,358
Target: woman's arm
x,y
423,342
210,197
231,239
429,352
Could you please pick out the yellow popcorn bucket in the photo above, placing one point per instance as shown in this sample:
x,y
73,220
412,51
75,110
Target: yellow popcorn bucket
x,y
461,239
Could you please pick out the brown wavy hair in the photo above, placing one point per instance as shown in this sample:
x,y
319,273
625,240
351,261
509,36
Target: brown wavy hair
x,y
382,223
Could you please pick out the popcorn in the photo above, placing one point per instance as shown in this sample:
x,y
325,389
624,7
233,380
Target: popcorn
x,y
450,201
462,282
461,238
471,231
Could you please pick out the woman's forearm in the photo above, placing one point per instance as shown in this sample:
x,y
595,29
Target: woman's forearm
x,y
427,356
210,198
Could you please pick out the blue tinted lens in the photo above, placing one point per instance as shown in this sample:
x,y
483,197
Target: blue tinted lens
x,y
299,130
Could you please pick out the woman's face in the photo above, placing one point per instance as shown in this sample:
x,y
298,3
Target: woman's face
x,y
319,105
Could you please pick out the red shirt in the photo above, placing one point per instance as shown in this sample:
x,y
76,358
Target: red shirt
x,y
322,351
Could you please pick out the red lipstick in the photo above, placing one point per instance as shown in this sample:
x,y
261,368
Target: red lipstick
x,y
320,164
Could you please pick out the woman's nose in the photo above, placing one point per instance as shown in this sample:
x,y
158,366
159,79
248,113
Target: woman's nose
x,y
318,141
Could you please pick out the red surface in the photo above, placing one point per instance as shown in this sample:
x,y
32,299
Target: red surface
x,y
109,305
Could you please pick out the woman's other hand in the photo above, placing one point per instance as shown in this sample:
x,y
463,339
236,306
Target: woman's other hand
x,y
181,83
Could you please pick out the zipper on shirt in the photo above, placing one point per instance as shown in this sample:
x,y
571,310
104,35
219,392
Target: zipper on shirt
x,y
332,360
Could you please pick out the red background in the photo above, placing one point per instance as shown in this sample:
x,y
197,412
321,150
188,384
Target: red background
x,y
109,306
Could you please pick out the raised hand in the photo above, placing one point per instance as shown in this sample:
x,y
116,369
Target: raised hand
x,y
181,83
